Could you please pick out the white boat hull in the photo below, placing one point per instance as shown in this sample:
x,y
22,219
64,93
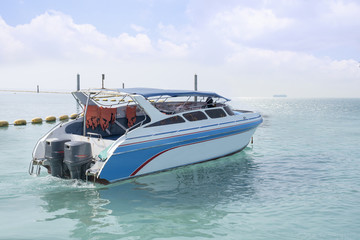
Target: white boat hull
x,y
142,131
198,152
148,154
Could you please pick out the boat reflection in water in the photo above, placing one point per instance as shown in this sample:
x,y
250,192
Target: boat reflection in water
x,y
158,203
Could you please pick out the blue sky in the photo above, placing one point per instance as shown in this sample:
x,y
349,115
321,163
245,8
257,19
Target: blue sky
x,y
238,48
110,17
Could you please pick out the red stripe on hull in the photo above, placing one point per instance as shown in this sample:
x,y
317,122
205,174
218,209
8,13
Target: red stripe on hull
x,y
160,153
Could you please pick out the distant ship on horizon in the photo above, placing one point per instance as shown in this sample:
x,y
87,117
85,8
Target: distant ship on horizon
x,y
280,95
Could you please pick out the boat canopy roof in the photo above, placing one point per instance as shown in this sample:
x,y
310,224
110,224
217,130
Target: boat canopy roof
x,y
154,92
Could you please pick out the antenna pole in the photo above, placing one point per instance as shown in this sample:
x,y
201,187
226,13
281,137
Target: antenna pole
x,y
103,79
78,82
195,85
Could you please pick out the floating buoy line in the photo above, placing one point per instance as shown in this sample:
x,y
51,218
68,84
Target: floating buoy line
x,y
39,120
52,119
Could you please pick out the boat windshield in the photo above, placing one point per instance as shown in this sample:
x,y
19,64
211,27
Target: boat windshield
x,y
174,105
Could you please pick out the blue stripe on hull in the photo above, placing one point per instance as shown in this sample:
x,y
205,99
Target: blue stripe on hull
x,y
127,159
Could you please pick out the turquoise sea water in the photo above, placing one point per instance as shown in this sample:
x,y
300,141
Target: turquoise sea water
x,y
299,180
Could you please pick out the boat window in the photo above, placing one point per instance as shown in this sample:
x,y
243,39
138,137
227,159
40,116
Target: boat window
x,y
215,113
228,110
167,121
195,116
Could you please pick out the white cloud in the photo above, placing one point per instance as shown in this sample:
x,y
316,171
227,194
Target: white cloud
x,y
125,43
54,35
10,47
247,23
137,28
51,49
223,51
294,73
343,13
185,34
170,49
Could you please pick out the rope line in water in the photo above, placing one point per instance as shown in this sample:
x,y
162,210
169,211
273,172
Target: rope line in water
x,y
38,120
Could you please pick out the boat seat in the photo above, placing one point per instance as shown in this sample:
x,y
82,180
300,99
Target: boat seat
x,y
114,131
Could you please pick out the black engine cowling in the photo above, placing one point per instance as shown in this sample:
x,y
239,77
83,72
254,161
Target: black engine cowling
x,y
77,158
54,153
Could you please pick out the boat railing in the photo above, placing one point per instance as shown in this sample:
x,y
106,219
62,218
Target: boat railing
x,y
139,124
94,134
176,107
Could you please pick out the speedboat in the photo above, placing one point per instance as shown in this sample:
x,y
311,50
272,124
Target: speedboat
x,y
125,133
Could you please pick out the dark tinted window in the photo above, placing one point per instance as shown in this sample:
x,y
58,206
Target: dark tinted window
x,y
195,116
167,121
215,113
228,110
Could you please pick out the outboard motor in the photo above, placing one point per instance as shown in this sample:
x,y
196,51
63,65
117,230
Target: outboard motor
x,y
54,153
77,158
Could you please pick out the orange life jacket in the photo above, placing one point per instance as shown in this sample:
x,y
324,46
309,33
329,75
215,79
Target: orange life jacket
x,y
131,115
107,116
92,116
